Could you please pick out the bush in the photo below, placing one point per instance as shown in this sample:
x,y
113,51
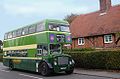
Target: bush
x,y
80,49
96,59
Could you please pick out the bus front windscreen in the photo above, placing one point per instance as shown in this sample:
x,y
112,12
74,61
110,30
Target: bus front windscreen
x,y
59,27
55,48
64,28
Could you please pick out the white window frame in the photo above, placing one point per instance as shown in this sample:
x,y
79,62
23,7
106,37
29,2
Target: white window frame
x,y
81,41
109,38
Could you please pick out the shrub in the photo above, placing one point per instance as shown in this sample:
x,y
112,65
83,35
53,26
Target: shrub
x,y
80,49
96,59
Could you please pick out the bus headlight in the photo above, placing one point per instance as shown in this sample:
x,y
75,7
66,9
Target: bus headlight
x,y
70,62
55,63
73,61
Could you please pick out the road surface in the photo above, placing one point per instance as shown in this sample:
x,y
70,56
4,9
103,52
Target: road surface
x,y
5,73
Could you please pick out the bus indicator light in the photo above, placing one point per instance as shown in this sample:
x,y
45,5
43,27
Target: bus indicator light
x,y
68,38
52,37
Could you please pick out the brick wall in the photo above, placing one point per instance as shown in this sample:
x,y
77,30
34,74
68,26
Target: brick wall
x,y
95,42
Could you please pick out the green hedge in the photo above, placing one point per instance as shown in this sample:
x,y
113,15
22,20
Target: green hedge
x,y
80,49
96,59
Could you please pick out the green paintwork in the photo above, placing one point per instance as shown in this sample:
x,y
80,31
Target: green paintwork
x,y
33,39
31,52
37,38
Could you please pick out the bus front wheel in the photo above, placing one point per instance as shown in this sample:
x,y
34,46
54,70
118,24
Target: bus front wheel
x,y
44,69
69,72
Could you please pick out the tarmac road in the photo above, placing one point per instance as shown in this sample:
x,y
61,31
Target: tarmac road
x,y
5,73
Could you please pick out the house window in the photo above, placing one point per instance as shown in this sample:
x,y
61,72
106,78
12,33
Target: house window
x,y
108,39
81,41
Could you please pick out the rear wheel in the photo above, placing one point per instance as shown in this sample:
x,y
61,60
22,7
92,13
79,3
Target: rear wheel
x,y
11,66
44,69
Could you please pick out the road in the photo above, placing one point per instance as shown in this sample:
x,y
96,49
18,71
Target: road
x,y
5,73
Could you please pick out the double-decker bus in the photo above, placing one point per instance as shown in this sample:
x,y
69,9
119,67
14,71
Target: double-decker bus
x,y
38,47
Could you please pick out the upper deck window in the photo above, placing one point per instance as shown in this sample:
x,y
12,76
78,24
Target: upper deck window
x,y
53,27
25,31
18,32
32,29
40,27
5,37
14,34
59,27
10,35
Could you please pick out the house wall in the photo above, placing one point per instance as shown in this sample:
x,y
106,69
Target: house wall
x,y
95,42
118,45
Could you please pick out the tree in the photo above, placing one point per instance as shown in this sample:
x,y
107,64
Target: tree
x,y
70,17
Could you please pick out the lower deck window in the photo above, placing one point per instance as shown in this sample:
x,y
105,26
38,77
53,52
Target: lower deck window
x,y
42,50
16,53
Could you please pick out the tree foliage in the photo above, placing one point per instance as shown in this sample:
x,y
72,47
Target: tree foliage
x,y
70,17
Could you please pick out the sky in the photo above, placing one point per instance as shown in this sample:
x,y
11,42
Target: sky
x,y
18,13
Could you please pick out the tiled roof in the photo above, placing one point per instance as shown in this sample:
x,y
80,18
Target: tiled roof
x,y
96,23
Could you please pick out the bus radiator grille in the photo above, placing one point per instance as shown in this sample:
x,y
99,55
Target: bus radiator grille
x,y
62,60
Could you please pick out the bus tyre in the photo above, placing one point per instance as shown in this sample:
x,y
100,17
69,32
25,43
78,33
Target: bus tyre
x,y
44,69
69,72
11,66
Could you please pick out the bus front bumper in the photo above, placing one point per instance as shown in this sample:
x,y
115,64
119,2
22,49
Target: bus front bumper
x,y
61,68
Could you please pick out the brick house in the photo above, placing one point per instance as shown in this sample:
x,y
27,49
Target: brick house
x,y
100,29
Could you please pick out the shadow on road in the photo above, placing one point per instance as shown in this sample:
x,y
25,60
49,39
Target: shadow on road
x,y
35,73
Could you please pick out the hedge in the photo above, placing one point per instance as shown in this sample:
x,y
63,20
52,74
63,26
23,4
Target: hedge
x,y
96,59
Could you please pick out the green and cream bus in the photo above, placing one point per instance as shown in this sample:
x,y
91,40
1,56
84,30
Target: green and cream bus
x,y
38,47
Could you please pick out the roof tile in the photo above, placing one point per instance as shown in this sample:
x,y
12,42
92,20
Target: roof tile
x,y
95,24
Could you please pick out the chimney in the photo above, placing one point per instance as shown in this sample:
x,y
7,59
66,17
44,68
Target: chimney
x,y
105,5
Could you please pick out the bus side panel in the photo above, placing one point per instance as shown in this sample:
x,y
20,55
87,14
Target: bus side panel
x,y
31,52
29,40
32,65
33,39
41,38
6,62
26,64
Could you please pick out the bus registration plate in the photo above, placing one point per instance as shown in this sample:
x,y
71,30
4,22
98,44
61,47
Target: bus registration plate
x,y
62,68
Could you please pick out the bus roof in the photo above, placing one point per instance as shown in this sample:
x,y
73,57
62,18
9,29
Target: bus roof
x,y
46,21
